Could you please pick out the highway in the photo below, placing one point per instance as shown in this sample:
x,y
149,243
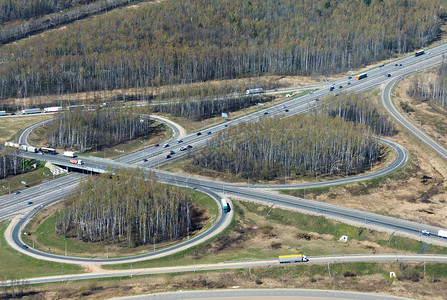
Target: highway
x,y
155,156
286,294
244,265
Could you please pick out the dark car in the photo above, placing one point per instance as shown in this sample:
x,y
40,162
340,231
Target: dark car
x,y
349,83
350,77
340,87
396,65
266,113
25,247
157,145
12,114
208,133
286,110
388,75
145,160
331,88
172,152
226,125
179,141
17,192
400,65
199,133
29,202
168,156
189,146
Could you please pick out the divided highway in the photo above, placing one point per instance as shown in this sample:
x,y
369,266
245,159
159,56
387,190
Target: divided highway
x,y
156,156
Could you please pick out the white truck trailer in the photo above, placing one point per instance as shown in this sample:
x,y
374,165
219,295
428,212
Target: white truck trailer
x,y
52,109
31,111
2,113
254,91
294,258
442,233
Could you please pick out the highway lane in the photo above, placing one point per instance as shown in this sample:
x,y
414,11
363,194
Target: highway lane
x,y
389,105
244,265
286,294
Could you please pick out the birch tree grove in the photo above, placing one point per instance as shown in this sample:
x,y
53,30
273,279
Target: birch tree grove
x,y
82,130
11,164
299,145
125,208
425,88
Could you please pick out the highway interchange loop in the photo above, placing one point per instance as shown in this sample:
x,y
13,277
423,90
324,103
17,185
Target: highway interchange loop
x,y
253,192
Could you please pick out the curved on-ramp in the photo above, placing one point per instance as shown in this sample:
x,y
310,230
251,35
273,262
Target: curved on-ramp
x,y
15,228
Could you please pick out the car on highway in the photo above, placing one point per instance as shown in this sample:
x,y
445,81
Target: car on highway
x,y
183,148
425,232
349,83
189,146
266,113
179,141
17,192
396,65
286,110
165,145
331,89
226,125
350,77
172,152
168,156
25,247
340,87
157,145
29,202
208,133
145,160
199,133
388,75
400,65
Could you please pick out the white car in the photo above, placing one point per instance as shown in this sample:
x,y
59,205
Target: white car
x,y
425,232
165,145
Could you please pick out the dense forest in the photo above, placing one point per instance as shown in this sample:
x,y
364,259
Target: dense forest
x,y
425,88
188,41
83,130
201,109
306,145
360,110
126,208
12,10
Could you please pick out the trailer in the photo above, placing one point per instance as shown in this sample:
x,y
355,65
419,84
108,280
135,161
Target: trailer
x,y
442,233
69,154
361,76
32,149
52,109
225,206
12,144
76,107
294,258
48,150
31,111
254,91
76,161
419,53
2,113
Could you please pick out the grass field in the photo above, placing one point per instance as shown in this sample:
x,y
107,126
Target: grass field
x,y
45,237
260,232
10,127
14,265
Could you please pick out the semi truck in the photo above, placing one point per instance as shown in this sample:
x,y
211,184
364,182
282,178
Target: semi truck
x,y
69,154
442,233
52,109
225,206
31,111
361,76
294,258
22,147
254,91
76,161
419,53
